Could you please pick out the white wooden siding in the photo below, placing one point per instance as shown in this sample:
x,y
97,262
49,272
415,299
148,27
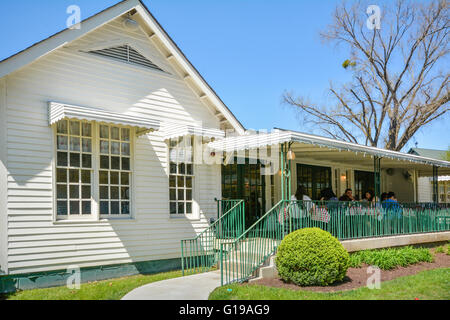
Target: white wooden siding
x,y
425,189
3,180
403,188
35,242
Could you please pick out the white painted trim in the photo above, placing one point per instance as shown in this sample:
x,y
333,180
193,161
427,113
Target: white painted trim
x,y
56,219
253,141
63,38
122,42
95,192
189,68
59,111
128,66
195,215
3,177
58,40
132,199
176,130
95,216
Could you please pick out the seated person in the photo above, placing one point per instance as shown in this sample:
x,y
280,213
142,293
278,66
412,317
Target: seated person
x,y
327,195
391,205
390,198
368,196
300,195
347,196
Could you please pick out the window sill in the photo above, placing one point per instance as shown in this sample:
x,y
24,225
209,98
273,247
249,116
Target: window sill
x,y
91,221
183,217
75,221
106,219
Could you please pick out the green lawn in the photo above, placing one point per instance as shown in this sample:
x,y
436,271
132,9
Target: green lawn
x,y
426,285
113,289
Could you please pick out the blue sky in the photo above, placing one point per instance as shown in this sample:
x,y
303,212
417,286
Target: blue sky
x,y
249,51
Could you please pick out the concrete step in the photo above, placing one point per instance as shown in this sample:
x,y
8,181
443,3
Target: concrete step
x,y
268,271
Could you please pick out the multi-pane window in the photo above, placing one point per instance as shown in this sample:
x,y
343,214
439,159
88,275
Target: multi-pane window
x,y
313,179
73,168
115,170
181,175
272,190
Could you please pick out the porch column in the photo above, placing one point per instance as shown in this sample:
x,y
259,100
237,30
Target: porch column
x,y
285,168
282,165
377,177
288,172
435,185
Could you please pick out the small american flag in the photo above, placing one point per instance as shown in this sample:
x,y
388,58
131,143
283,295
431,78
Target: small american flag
x,y
283,215
321,214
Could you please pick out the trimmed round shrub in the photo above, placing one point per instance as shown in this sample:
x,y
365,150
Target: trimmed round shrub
x,y
312,257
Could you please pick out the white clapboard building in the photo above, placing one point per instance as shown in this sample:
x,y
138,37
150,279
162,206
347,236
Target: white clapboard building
x,y
99,129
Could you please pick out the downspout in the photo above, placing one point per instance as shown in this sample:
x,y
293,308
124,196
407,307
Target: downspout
x,y
282,171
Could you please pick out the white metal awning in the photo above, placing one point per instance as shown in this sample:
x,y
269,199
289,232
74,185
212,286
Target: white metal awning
x,y
175,130
261,140
60,111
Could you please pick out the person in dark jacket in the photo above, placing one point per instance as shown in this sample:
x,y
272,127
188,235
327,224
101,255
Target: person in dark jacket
x,y
347,196
327,195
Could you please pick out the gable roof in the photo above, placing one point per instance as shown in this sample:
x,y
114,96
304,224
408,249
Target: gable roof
x,y
429,153
42,48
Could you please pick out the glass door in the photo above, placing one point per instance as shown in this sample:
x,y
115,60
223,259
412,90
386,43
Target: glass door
x,y
244,181
364,181
313,179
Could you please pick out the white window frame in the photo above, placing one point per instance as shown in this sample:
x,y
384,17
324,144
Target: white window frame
x,y
130,172
79,216
194,207
95,173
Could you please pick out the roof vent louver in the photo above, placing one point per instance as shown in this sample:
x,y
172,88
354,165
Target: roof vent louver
x,y
127,54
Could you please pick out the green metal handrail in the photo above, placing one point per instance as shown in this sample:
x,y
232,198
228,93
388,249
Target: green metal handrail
x,y
224,205
201,253
344,220
245,255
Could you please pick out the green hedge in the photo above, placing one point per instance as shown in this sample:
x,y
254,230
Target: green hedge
x,y
311,256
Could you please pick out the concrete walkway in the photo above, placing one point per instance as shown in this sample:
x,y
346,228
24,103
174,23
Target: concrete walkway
x,y
195,287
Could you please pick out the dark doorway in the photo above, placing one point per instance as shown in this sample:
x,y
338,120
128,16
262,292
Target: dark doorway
x,y
244,181
314,179
364,181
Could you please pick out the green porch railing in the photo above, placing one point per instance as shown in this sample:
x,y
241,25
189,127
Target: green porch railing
x,y
241,258
224,205
355,220
201,253
344,220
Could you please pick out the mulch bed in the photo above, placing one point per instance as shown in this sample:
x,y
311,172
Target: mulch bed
x,y
357,277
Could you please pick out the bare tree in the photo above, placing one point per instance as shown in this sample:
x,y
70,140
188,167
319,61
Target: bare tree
x,y
400,74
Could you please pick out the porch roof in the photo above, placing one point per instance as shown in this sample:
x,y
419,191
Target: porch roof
x,y
322,148
59,111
